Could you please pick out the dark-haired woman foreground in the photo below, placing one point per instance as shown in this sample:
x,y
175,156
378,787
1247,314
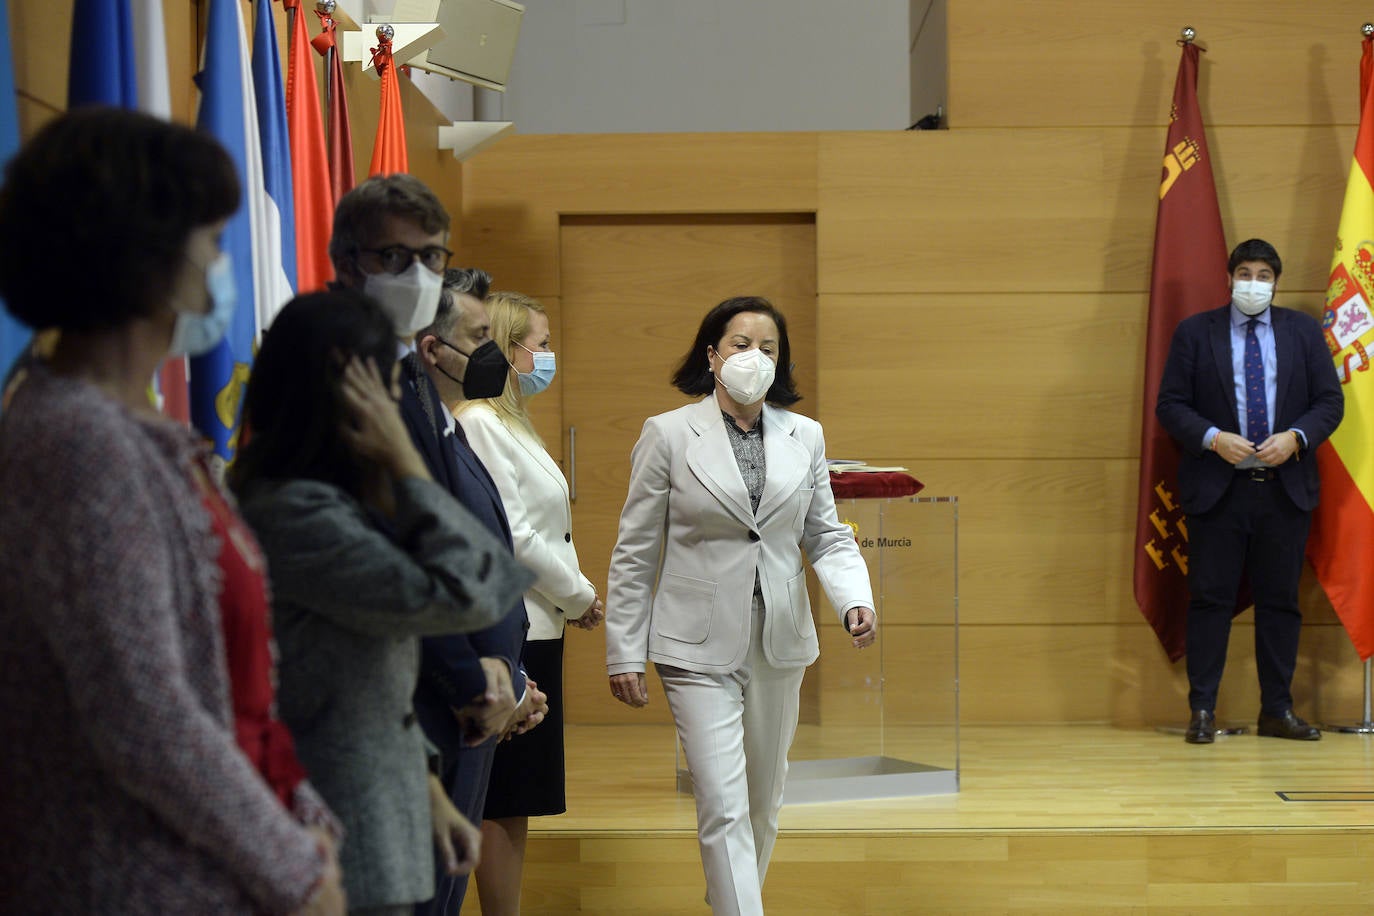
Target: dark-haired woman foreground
x,y
366,554
706,581
122,787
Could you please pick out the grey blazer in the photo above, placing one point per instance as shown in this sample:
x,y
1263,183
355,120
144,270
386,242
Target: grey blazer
x,y
681,581
350,603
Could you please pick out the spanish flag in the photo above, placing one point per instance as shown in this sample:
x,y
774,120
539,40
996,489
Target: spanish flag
x,y
1341,546
1188,276
389,153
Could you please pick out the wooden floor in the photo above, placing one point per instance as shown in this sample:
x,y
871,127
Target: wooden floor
x,y
1079,819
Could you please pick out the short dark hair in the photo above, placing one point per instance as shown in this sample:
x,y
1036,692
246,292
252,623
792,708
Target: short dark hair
x,y
293,408
473,281
458,281
106,199
361,213
693,375
1255,250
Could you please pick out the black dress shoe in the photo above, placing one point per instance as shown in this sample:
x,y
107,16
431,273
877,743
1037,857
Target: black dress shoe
x,y
1287,726
1202,727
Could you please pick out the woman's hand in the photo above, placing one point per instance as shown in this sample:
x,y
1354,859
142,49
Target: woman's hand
x,y
373,427
630,689
459,843
329,898
591,617
530,712
862,625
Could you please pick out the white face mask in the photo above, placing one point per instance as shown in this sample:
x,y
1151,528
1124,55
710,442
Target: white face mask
x,y
196,334
747,376
1252,296
409,298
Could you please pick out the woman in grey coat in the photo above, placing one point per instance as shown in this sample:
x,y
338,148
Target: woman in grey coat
x,y
365,554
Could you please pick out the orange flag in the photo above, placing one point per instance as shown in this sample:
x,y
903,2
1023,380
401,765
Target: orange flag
x,y
389,152
1188,276
314,205
1341,546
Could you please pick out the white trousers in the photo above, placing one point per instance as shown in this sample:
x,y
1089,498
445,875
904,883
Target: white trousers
x,y
735,729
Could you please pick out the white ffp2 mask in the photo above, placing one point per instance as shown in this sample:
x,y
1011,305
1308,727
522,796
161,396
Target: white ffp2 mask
x,y
409,298
747,376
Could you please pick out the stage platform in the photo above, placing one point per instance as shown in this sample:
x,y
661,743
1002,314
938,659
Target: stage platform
x,y
1048,819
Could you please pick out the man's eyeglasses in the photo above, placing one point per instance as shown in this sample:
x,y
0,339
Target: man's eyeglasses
x,y
398,258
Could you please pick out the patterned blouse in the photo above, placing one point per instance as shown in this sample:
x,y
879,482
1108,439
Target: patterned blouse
x,y
748,448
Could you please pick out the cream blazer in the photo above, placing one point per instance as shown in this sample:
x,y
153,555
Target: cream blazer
x,y
682,574
535,495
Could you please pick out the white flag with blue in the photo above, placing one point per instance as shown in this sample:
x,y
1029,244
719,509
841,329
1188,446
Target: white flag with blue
x,y
276,139
252,237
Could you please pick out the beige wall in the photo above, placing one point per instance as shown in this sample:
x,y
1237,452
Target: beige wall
x,y
982,300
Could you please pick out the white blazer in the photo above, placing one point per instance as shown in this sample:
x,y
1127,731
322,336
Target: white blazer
x,y
682,575
535,495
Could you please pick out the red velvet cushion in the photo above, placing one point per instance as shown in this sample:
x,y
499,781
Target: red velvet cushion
x,y
874,484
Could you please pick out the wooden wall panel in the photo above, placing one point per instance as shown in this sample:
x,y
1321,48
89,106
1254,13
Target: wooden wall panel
x,y
40,36
969,375
1117,673
1067,210
518,189
1008,210
1075,63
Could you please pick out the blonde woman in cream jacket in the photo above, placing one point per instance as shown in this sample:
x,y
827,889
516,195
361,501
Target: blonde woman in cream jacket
x,y
528,775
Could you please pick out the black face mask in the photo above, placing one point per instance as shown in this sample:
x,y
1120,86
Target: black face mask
x,y
486,373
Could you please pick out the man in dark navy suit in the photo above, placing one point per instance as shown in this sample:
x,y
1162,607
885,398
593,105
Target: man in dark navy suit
x,y
1249,391
460,361
388,241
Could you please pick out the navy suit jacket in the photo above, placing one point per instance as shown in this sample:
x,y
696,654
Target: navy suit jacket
x,y
450,669
1198,391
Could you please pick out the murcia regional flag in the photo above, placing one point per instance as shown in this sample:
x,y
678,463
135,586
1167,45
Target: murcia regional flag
x,y
1188,276
1341,546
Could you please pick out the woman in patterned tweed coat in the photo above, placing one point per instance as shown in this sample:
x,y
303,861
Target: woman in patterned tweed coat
x,y
122,787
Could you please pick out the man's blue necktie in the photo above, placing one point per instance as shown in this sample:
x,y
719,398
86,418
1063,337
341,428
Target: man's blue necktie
x,y
1256,411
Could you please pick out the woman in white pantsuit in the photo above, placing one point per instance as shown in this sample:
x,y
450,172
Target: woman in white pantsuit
x,y
706,581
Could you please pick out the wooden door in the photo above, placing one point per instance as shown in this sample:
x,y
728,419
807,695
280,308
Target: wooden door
x,y
634,291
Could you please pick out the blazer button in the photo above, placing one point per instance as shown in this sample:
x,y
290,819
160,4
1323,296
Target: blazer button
x,y
753,535
409,720
567,536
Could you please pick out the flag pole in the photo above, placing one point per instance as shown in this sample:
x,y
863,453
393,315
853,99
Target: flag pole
x,y
1365,726
327,7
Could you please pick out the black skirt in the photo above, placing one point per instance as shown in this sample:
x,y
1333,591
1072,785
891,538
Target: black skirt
x,y
527,774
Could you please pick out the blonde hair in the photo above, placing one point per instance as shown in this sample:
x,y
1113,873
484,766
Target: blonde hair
x,y
510,325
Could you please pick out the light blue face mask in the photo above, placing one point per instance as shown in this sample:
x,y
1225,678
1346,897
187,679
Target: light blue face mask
x,y
196,335
531,383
